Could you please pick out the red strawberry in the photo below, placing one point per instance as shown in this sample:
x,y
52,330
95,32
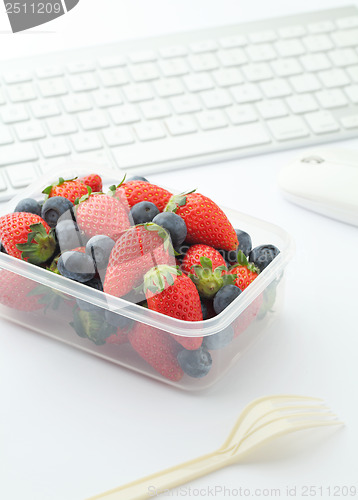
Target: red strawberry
x,y
70,189
17,292
158,349
93,181
137,191
172,293
101,214
244,271
207,269
27,236
205,221
120,337
135,252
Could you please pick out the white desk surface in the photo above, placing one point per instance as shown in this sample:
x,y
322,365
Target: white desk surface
x,y
72,425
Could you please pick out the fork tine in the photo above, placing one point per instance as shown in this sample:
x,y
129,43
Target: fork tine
x,y
259,406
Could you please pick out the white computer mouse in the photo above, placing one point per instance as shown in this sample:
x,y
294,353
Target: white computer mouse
x,y
325,181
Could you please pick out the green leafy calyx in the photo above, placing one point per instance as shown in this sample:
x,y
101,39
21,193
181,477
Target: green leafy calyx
x,y
39,247
160,277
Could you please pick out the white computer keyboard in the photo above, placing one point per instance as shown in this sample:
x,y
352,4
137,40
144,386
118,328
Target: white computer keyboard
x,y
183,99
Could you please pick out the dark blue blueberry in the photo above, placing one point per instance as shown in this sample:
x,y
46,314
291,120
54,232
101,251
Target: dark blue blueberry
x,y
87,306
99,248
117,320
174,224
28,205
195,363
263,255
204,309
224,297
245,245
143,212
68,235
76,266
137,178
220,339
53,208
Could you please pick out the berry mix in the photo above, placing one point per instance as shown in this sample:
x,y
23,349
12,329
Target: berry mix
x,y
178,255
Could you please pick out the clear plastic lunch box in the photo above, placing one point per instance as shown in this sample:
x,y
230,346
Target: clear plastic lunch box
x,y
249,314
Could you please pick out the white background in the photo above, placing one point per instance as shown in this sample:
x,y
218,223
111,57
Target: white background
x,y
72,425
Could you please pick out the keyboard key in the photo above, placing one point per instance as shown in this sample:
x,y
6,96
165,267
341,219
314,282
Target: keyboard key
x,y
315,62
105,98
302,103
74,103
331,98
352,93
246,93
62,125
181,125
353,73
174,67
80,67
350,121
99,157
3,185
203,62
209,120
203,46
239,115
155,109
213,99
272,109
22,92
106,62
294,31
138,92
277,87
17,76
113,77
17,153
321,27
230,42
197,82
83,82
29,130
13,114
322,122
260,53
52,87
347,22
173,51
118,136
317,43
227,77
92,120
347,38
143,56
286,67
186,104
149,131
257,72
44,108
305,83
5,136
334,78
232,57
190,146
168,87
290,48
50,71
21,175
53,147
144,72
123,115
343,57
2,98
284,129
86,142
262,36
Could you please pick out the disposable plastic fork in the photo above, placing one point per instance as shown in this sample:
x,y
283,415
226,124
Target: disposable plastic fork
x,y
262,420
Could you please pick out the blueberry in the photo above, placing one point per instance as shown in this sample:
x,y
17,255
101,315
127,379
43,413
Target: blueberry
x,y
76,266
143,212
263,255
53,208
224,297
28,205
117,320
137,178
196,363
245,245
204,309
174,224
99,247
220,339
87,306
68,234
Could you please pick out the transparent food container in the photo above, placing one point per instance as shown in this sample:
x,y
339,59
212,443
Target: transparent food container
x,y
46,302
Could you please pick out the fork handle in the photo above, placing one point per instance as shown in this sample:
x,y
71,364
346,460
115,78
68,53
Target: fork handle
x,y
159,482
